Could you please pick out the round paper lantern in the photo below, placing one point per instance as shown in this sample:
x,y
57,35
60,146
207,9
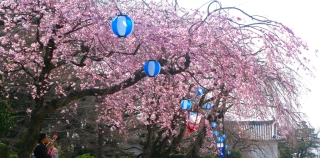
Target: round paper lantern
x,y
229,152
185,104
226,146
193,120
220,139
214,124
224,136
122,25
152,68
215,133
194,117
208,106
200,91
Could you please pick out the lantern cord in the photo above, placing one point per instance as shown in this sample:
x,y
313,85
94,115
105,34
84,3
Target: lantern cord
x,y
114,1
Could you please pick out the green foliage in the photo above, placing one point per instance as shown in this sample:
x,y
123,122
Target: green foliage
x,y
5,153
6,118
3,150
177,156
303,141
87,155
13,156
234,154
285,150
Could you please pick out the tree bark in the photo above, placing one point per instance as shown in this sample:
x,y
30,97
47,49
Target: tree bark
x,y
28,144
176,141
193,152
100,141
41,111
147,147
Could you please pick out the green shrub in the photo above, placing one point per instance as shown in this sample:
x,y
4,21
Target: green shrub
x,y
177,156
5,153
13,156
87,155
234,154
4,150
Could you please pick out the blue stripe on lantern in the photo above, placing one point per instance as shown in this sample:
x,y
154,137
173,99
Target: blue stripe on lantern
x,y
122,25
200,91
185,104
219,139
130,25
214,124
208,106
152,68
224,136
215,133
114,26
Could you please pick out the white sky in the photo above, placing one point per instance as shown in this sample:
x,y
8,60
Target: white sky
x,y
303,18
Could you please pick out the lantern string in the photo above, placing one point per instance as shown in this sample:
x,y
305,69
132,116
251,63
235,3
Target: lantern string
x,y
114,1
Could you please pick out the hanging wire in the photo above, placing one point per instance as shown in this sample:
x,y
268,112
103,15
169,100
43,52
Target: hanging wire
x,y
114,1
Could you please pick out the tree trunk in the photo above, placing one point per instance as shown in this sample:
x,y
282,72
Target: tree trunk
x,y
148,146
193,152
100,141
175,142
32,134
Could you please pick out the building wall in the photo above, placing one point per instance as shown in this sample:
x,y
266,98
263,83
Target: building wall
x,y
262,149
262,139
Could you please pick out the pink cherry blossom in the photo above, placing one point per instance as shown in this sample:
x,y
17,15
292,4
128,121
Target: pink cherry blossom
x,y
64,52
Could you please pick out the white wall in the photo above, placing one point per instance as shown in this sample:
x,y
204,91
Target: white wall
x,y
263,149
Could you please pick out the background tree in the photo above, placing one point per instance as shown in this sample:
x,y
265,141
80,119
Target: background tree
x,y
303,142
63,51
6,115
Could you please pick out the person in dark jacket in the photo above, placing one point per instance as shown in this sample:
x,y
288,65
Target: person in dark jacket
x,y
41,150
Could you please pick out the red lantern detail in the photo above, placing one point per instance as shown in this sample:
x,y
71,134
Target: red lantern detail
x,y
193,121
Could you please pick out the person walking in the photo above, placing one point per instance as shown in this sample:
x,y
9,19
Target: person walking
x,y
52,151
41,150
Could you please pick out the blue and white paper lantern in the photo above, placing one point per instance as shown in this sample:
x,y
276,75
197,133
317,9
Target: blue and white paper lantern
x,y
224,136
226,146
220,139
214,124
215,133
208,106
185,104
229,152
194,117
152,68
122,25
200,91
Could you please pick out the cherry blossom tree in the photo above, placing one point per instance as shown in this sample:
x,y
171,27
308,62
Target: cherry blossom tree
x,y
244,62
59,51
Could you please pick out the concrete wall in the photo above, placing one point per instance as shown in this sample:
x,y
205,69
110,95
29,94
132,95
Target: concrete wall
x,y
262,149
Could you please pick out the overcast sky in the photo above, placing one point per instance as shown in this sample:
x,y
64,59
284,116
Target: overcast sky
x,y
300,16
